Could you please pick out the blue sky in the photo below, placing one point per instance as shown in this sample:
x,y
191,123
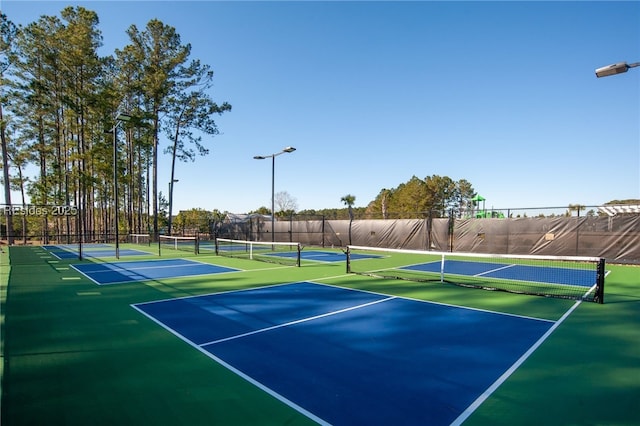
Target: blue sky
x,y
502,94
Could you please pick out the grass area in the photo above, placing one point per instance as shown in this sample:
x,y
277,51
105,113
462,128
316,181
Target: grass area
x,y
76,353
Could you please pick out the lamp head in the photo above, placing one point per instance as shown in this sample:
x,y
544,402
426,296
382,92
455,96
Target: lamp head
x,y
612,69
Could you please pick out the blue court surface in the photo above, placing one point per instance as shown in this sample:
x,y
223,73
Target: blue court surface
x,y
313,255
127,272
90,251
505,271
343,356
323,256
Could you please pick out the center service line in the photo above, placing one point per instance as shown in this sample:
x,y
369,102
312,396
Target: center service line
x,y
296,322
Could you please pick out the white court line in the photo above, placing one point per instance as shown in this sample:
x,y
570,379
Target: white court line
x,y
137,277
429,302
85,275
231,368
494,270
487,393
119,267
122,266
262,330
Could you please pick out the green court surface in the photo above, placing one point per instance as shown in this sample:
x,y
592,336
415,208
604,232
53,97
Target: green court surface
x,y
75,353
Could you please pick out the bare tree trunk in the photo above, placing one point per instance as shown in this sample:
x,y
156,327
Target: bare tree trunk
x,y
7,183
155,178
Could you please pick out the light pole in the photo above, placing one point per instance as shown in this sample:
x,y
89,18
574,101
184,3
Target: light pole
x,y
613,69
119,119
170,203
273,184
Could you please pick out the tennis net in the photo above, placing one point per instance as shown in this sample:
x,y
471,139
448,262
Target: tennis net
x,y
189,244
577,278
274,252
140,239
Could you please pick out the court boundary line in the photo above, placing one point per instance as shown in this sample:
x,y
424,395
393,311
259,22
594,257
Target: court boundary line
x,y
177,277
55,255
84,275
119,268
471,308
215,293
152,267
52,252
86,254
96,253
515,366
231,368
317,258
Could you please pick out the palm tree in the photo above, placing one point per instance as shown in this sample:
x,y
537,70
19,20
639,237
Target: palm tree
x,y
349,200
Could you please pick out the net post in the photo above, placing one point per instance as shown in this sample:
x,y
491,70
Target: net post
x,y
197,244
442,268
299,247
599,294
217,247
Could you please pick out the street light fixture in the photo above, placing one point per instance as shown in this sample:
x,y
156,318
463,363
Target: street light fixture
x,y
119,119
273,181
170,203
613,69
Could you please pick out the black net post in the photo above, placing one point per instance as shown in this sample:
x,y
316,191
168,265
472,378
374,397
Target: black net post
x,y
599,296
348,252
451,226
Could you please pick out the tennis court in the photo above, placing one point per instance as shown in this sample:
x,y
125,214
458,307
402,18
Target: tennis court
x,y
127,272
510,271
287,253
323,256
70,251
235,341
338,354
579,278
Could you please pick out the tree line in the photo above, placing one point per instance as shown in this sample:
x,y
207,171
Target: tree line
x,y
433,196
63,109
